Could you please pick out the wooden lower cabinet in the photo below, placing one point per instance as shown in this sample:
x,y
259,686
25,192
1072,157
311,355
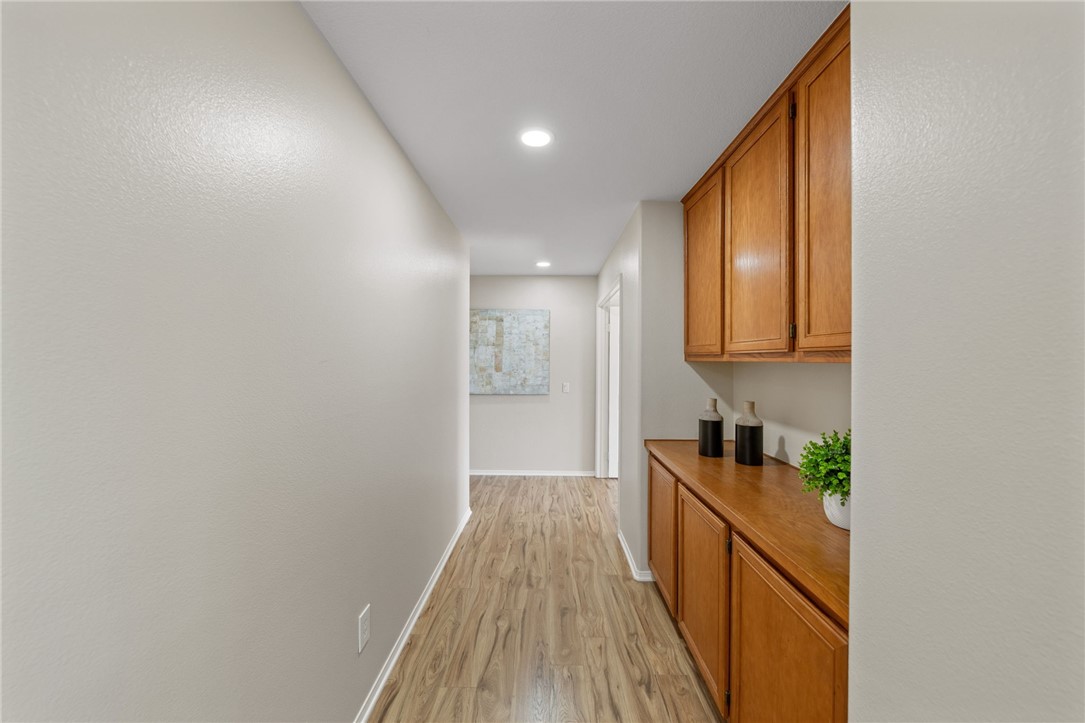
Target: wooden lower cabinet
x,y
702,590
789,662
663,532
767,649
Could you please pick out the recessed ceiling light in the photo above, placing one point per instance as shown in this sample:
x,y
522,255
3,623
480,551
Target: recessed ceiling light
x,y
543,264
536,137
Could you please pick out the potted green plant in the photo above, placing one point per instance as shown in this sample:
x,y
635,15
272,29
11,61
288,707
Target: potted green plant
x,y
825,468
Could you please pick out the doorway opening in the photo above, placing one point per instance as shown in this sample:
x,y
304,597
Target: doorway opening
x,y
608,377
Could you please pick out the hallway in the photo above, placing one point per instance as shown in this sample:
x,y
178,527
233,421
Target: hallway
x,y
537,618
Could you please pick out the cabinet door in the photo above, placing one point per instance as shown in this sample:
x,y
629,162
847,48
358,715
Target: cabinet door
x,y
757,238
702,590
823,198
663,531
789,662
704,270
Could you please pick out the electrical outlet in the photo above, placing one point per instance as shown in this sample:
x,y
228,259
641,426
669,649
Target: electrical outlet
x,y
363,628
565,387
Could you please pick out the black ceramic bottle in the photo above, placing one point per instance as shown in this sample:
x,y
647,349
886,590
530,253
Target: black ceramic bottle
x,y
711,431
749,437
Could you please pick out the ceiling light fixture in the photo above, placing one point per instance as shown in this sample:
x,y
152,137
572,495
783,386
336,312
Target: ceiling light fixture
x,y
543,264
536,137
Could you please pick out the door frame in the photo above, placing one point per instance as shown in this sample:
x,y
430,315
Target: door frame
x,y
602,379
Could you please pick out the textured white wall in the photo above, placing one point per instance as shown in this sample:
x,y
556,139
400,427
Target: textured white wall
x,y
674,394
661,395
235,396
625,261
797,402
554,432
968,548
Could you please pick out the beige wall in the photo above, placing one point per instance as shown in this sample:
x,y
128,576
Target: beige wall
x,y
968,548
541,433
674,392
797,402
235,379
624,263
661,396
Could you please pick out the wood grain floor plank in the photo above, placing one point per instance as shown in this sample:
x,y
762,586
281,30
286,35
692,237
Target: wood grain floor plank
x,y
496,691
411,696
563,630
589,600
472,650
388,700
686,700
614,690
571,699
536,618
534,674
454,704
657,643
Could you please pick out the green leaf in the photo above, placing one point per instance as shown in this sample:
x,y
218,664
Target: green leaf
x,y
825,466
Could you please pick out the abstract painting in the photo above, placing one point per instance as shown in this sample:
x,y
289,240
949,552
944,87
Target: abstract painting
x,y
510,351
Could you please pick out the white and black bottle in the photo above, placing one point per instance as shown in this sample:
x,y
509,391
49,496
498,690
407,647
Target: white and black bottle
x,y
749,437
711,431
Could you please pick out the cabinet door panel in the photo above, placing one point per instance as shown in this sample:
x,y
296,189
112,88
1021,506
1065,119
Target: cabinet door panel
x,y
704,270
757,238
789,662
823,199
663,531
702,589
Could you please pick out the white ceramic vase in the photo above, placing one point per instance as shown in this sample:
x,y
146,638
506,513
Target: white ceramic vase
x,y
838,513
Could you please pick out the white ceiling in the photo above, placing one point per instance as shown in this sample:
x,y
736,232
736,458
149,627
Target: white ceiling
x,y
641,98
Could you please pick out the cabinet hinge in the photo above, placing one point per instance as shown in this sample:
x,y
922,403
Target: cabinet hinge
x,y
727,698
791,329
791,110
728,545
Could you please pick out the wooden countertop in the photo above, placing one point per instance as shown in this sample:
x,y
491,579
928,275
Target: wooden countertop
x,y
767,507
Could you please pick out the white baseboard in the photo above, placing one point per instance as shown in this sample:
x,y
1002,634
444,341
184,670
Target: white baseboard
x,y
386,670
532,473
638,575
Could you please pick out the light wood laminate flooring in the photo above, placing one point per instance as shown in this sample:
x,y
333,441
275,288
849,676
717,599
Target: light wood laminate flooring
x,y
537,618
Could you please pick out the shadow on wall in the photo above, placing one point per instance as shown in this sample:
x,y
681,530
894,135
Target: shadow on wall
x,y
796,401
719,378
781,449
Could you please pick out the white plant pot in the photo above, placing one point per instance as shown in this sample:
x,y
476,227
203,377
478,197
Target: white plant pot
x,y
839,513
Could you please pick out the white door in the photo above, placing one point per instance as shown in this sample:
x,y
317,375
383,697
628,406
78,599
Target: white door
x,y
613,359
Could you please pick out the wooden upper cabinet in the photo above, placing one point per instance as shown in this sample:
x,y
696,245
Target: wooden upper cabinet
x,y
789,662
779,287
757,237
663,531
704,287
823,198
703,590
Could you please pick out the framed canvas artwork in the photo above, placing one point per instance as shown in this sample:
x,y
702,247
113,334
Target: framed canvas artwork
x,y
510,351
